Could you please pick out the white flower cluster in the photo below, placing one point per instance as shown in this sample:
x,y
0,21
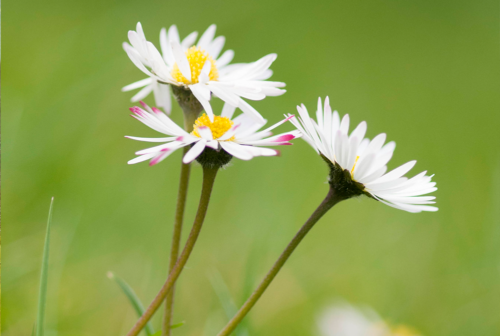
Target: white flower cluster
x,y
203,70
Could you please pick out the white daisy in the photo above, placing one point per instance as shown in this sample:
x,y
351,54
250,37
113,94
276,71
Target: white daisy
x,y
200,69
346,320
239,137
363,162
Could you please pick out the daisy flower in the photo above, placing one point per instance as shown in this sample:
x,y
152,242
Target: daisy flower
x,y
214,143
199,69
346,320
358,165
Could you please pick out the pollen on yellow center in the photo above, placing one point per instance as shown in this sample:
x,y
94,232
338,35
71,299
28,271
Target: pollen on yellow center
x,y
219,127
196,58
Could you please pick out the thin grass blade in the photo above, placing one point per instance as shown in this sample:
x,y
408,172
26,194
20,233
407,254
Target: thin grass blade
x,y
222,291
133,299
42,296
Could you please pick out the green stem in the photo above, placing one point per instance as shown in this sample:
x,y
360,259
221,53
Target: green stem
x,y
189,119
209,175
330,200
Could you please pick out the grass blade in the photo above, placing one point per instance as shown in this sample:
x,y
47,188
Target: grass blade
x,y
134,300
42,296
222,291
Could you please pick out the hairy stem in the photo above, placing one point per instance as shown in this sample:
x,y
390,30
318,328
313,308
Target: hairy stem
x,y
330,200
209,175
189,119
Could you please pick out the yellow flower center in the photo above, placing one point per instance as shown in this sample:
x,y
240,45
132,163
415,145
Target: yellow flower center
x,y
196,58
403,330
219,127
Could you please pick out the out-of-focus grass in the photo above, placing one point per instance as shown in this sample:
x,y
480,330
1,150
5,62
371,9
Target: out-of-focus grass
x,y
44,276
134,301
425,72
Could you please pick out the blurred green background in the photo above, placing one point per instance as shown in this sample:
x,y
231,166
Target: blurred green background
x,y
425,72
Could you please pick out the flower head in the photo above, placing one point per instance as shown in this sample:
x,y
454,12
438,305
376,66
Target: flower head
x,y
213,142
358,165
199,69
346,320
343,319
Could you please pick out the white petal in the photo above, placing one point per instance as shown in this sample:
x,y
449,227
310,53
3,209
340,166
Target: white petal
x,y
173,34
344,124
236,150
181,60
213,144
189,40
226,95
388,147
166,48
163,155
245,107
360,131
396,173
142,94
375,175
136,59
225,59
228,111
216,47
376,144
142,158
205,71
207,37
199,91
319,114
136,85
351,155
162,97
151,139
194,152
205,133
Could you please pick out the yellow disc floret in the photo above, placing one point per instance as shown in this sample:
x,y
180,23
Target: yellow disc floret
x,y
219,127
196,58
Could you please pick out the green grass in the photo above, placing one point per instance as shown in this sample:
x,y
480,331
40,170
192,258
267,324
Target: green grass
x,y
134,301
44,277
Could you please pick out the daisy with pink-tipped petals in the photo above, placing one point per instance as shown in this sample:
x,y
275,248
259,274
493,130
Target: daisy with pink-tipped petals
x,y
239,137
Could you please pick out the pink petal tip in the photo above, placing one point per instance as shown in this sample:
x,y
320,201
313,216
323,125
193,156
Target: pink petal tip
x,y
154,161
285,137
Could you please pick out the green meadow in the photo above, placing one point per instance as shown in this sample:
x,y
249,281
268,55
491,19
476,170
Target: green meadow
x,y
427,73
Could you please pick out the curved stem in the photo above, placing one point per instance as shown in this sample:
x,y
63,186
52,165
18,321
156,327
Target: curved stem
x,y
330,200
208,182
189,119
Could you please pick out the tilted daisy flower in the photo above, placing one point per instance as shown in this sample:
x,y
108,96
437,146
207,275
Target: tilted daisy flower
x,y
359,165
212,143
199,69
